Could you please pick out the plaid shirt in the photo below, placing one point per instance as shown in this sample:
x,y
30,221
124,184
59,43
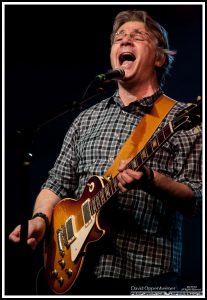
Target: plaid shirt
x,y
145,231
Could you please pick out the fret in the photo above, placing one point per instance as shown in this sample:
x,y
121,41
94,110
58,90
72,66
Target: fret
x,y
113,189
144,154
98,201
107,191
110,187
154,143
102,197
138,160
149,149
133,164
167,131
115,183
113,186
160,137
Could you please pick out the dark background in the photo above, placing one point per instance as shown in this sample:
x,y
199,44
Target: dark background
x,y
52,53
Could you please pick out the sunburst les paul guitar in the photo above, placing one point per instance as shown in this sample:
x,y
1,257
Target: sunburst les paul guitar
x,y
75,223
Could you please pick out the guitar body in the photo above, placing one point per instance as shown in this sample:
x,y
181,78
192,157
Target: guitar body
x,y
72,229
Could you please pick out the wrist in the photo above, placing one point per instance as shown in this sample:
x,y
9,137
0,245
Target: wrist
x,y
44,217
148,176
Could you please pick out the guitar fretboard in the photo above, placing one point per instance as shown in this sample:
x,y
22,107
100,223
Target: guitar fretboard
x,y
136,163
187,118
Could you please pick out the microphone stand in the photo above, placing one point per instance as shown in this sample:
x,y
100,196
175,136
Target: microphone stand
x,y
76,105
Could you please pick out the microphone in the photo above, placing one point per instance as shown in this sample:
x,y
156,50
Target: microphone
x,y
111,75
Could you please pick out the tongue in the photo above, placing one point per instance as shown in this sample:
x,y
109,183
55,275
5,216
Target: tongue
x,y
127,63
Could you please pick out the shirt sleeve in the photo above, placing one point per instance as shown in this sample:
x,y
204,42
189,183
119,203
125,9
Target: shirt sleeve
x,y
62,179
188,161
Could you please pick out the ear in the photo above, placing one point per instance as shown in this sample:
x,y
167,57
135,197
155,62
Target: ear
x,y
160,59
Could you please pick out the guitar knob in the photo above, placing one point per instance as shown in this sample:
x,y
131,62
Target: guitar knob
x,y
60,280
54,273
62,263
69,272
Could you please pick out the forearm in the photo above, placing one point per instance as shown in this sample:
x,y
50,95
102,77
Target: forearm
x,y
45,202
180,196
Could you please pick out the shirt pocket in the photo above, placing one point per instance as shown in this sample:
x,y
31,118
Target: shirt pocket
x,y
95,167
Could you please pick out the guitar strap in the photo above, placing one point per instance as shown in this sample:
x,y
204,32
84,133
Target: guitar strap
x,y
142,133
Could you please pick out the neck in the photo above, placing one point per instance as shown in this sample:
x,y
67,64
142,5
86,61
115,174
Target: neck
x,y
129,94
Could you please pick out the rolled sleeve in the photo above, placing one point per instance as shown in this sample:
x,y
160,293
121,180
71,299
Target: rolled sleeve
x,y
188,162
62,179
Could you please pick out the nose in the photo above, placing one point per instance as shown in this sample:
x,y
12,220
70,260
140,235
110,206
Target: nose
x,y
127,39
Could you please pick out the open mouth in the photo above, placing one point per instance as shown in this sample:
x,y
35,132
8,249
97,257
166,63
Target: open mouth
x,y
126,57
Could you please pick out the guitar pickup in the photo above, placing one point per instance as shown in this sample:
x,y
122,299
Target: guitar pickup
x,y
86,212
69,231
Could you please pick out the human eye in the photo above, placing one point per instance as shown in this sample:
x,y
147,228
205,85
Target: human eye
x,y
141,36
138,36
118,37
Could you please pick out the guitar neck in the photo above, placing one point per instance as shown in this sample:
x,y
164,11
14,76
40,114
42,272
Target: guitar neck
x,y
135,164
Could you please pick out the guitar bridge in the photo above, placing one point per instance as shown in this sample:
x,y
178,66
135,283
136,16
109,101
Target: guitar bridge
x,y
60,240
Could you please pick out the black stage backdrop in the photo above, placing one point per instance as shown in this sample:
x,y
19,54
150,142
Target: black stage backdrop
x,y
52,53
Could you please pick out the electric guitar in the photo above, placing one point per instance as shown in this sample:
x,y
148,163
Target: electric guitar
x,y
75,223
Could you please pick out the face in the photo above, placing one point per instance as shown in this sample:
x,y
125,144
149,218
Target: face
x,y
134,50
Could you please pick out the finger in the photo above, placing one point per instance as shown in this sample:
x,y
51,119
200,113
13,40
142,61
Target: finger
x,y
122,188
121,179
36,229
129,175
123,164
33,230
134,174
32,243
14,238
125,178
15,234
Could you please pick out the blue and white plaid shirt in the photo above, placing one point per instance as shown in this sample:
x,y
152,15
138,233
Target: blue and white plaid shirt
x,y
145,231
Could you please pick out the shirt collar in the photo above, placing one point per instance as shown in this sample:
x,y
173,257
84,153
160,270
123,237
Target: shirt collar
x,y
140,106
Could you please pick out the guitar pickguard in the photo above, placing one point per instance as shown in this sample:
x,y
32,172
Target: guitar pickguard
x,y
80,238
